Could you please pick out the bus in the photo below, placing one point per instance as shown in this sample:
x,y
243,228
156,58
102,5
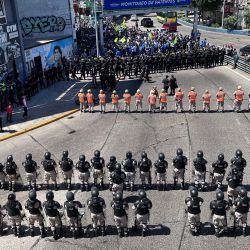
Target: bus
x,y
167,17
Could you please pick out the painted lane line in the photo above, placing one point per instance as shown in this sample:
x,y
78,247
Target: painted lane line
x,y
238,121
65,92
237,73
247,140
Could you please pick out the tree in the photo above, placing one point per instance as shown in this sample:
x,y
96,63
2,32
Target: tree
x,y
230,22
247,18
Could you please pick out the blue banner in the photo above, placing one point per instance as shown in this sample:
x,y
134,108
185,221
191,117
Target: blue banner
x,y
140,4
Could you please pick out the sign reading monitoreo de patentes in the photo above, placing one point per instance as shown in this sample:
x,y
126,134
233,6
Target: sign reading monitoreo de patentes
x,y
136,4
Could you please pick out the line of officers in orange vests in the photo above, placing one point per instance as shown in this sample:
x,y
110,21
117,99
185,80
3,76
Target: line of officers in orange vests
x,y
88,100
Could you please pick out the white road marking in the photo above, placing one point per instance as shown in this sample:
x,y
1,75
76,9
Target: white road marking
x,y
65,92
238,121
248,79
247,140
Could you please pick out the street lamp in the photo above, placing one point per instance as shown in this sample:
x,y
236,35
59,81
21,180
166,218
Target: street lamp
x,y
96,31
223,14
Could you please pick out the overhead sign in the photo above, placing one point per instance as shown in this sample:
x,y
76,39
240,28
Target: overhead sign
x,y
139,4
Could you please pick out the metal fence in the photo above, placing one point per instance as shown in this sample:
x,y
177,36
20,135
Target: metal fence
x,y
242,64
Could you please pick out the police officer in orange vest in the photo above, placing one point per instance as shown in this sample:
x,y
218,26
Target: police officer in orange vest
x,y
238,95
163,100
102,101
220,99
115,101
179,100
206,97
192,96
152,102
81,97
127,100
138,100
90,101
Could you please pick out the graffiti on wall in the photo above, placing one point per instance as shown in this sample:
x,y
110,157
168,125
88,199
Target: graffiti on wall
x,y
42,24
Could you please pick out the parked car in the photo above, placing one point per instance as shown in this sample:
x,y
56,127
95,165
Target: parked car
x,y
244,51
134,18
147,22
171,27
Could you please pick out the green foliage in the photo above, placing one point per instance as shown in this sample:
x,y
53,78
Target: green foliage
x,y
207,5
247,17
215,25
230,22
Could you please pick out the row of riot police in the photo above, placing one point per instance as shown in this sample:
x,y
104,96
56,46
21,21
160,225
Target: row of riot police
x,y
219,209
124,173
50,212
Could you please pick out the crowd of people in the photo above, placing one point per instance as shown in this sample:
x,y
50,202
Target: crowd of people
x,y
122,176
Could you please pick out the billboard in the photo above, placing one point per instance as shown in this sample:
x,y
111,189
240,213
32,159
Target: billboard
x,y
51,53
140,4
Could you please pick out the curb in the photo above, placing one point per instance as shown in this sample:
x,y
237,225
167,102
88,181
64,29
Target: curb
x,y
39,125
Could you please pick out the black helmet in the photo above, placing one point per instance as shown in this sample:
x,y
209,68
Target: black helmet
x,y
238,153
243,192
70,196
118,167
144,155
49,196
65,154
161,156
112,159
97,153
118,196
142,194
221,157
29,156
9,158
200,153
179,151
82,158
194,192
94,192
129,154
32,195
11,197
220,196
47,155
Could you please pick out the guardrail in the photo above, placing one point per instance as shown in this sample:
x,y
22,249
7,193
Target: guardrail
x,y
241,64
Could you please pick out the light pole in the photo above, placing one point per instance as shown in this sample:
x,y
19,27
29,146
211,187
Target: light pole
x,y
223,14
96,31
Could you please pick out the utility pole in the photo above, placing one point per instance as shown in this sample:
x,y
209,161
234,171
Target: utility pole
x,y
223,14
96,31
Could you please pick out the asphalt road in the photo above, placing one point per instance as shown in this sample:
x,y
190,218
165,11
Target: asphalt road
x,y
114,134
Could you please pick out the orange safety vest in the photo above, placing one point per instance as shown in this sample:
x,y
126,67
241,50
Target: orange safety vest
x,y
102,98
115,98
192,95
138,97
90,98
127,98
81,97
206,98
152,99
179,96
220,96
163,97
239,94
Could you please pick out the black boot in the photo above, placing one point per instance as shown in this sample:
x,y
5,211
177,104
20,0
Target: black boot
x,y
10,186
19,232
119,231
1,231
69,186
15,231
56,187
75,234
55,235
126,232
110,187
183,185
95,182
43,233
32,232
103,230
244,232
61,232
82,187
87,187
175,183
29,187
1,185
143,232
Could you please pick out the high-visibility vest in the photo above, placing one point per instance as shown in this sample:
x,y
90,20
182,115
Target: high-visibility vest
x,y
90,98
138,97
239,94
206,98
127,98
152,99
220,96
192,95
163,97
179,96
102,98
81,97
115,98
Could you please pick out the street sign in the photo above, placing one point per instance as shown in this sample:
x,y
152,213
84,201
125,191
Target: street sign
x,y
139,4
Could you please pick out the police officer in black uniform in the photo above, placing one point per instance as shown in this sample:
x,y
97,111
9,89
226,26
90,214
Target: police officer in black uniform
x,y
129,164
34,207
120,206
241,209
49,170
200,170
239,162
73,216
2,176
96,205
98,163
161,166
11,172
83,167
145,165
51,210
219,170
179,163
66,165
117,177
14,210
219,209
30,167
142,207
193,211
111,168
